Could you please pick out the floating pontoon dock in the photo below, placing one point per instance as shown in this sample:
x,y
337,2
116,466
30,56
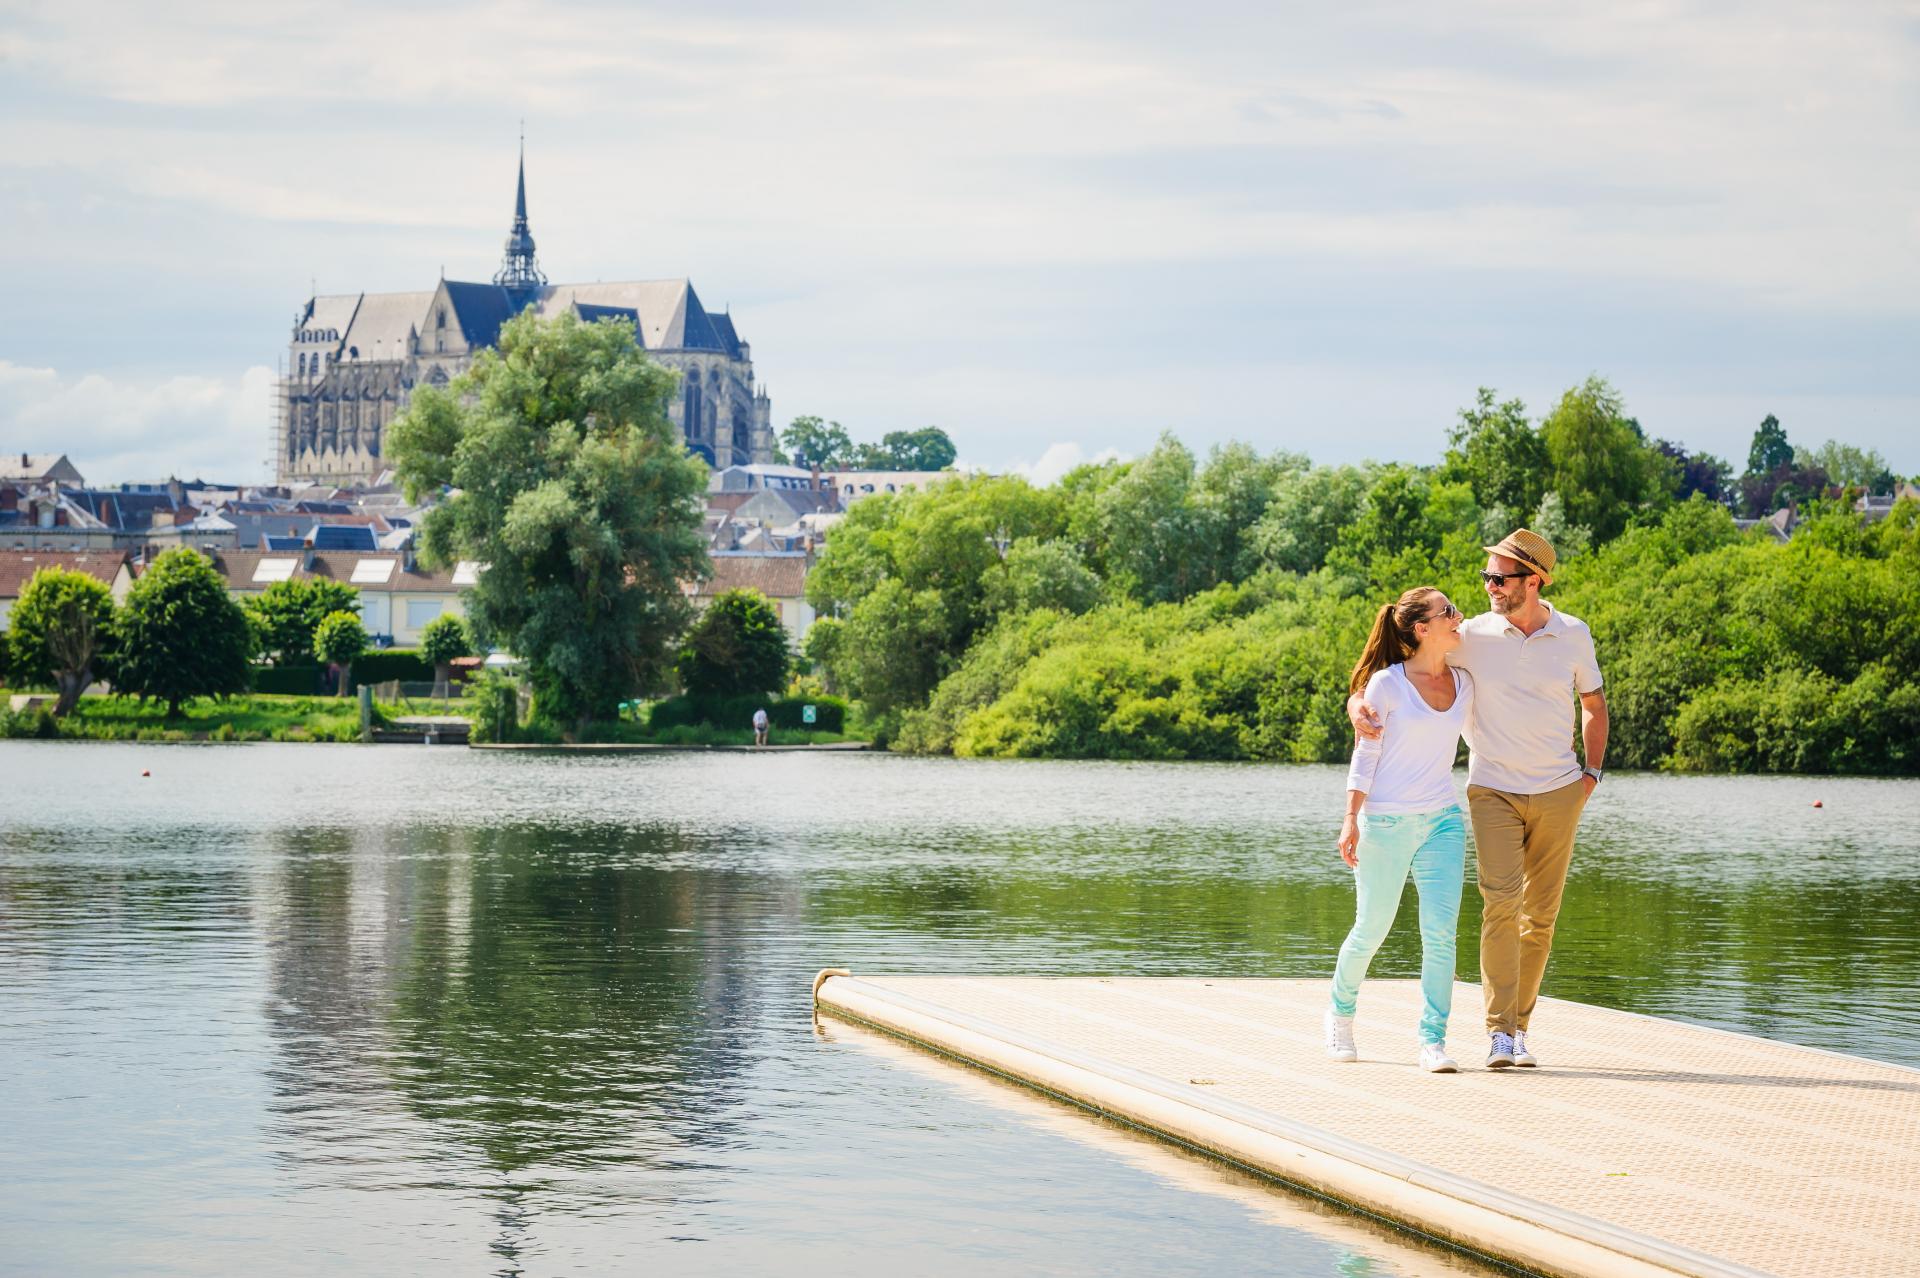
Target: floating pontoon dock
x,y
1641,1147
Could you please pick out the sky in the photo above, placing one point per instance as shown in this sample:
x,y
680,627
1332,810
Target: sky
x,y
1055,231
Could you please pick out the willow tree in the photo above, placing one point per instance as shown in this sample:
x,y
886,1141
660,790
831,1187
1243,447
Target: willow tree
x,y
564,478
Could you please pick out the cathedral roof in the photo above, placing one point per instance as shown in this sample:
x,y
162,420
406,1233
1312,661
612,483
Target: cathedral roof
x,y
666,315
481,308
381,323
723,329
331,312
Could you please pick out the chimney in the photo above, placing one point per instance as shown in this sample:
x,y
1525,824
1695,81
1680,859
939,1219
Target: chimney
x,y
815,467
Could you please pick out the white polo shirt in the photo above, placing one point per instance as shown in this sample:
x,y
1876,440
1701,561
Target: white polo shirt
x,y
1522,722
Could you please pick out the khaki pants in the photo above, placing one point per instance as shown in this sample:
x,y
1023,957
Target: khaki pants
x,y
1525,843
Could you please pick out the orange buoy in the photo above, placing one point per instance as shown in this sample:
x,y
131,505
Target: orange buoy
x,y
145,773
1818,804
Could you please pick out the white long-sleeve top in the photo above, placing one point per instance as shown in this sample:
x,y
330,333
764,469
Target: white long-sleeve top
x,y
1409,768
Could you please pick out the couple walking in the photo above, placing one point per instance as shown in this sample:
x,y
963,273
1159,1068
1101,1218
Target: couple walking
x,y
1506,680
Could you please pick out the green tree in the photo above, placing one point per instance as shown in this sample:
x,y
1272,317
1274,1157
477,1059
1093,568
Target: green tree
x,y
339,642
569,484
1603,467
1306,515
180,634
822,648
286,614
1849,467
1404,521
445,640
1498,453
1786,485
1042,574
735,648
1163,543
1702,473
928,448
1770,449
812,441
60,629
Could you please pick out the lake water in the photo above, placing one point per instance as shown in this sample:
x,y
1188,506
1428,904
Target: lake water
x,y
408,1009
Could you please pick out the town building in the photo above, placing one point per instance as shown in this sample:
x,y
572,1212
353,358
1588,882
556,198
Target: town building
x,y
18,566
355,358
779,575
38,468
399,597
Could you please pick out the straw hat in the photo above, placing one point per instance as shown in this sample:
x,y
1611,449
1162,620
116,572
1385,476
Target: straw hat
x,y
1534,552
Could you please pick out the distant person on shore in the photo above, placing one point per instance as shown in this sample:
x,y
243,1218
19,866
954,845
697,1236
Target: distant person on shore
x,y
1403,816
760,726
1525,787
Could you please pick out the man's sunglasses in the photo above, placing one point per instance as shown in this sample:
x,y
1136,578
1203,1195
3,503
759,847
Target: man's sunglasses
x,y
1498,580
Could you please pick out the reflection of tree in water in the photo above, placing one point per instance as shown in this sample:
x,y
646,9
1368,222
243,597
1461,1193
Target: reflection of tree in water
x,y
533,1004
1632,933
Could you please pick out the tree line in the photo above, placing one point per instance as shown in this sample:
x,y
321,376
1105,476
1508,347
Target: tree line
x,y
181,635
1174,608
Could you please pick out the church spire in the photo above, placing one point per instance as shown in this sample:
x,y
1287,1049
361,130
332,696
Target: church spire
x,y
519,273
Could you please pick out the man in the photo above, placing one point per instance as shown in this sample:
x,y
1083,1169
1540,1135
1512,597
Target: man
x,y
760,726
1525,788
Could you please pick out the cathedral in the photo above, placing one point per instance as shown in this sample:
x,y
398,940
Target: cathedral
x,y
355,358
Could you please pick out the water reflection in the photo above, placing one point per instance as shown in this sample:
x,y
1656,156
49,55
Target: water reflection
x,y
525,1014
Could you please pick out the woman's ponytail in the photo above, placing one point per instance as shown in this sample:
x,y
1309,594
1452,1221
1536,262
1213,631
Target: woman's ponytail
x,y
1392,639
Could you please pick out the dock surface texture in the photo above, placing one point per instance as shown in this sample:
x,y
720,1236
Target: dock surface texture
x,y
1641,1146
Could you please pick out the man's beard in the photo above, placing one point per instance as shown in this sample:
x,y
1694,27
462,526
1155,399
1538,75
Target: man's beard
x,y
1502,604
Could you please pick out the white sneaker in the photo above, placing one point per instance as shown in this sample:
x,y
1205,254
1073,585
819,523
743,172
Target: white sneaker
x,y
1521,1056
1340,1037
1500,1056
1434,1059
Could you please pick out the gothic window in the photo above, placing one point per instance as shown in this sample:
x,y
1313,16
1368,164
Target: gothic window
x,y
303,364
440,321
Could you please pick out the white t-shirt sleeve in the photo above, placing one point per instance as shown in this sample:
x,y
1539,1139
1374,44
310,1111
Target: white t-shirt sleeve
x,y
1380,694
1586,665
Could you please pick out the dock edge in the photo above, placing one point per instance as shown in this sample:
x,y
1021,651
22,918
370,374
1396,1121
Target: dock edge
x,y
1508,1228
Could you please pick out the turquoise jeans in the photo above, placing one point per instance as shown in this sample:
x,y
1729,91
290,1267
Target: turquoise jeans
x,y
1432,846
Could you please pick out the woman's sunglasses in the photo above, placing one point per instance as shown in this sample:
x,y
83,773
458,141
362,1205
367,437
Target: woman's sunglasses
x,y
1498,580
1446,612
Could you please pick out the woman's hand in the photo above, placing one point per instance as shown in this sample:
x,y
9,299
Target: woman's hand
x,y
1349,844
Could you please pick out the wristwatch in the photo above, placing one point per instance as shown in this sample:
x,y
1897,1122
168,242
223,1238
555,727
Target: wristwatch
x,y
1595,773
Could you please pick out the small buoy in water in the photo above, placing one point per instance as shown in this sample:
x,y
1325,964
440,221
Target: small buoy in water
x,y
1818,804
145,773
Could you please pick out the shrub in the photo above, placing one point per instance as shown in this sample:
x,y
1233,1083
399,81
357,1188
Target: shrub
x,y
496,707
384,665
290,681
736,647
830,713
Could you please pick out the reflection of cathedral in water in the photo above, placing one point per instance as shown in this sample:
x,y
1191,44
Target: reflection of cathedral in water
x,y
356,357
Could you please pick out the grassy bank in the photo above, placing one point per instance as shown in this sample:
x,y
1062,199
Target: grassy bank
x,y
630,733
257,717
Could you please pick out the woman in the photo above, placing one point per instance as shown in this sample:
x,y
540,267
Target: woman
x,y
1402,813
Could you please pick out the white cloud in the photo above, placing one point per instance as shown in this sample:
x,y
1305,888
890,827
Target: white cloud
x,y
924,216
1059,459
193,427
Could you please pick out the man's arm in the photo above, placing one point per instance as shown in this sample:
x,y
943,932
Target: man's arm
x,y
1366,720
1593,732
